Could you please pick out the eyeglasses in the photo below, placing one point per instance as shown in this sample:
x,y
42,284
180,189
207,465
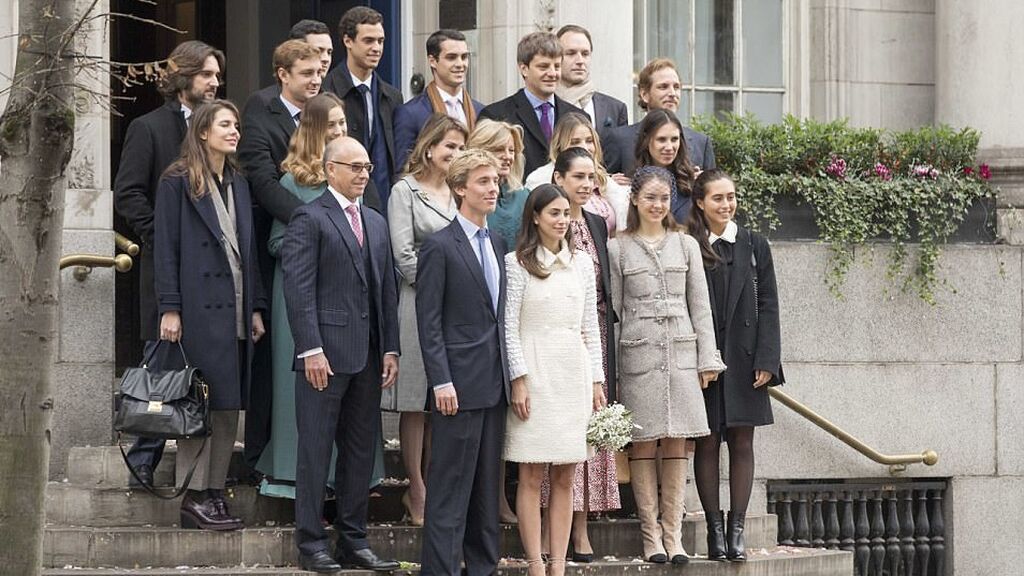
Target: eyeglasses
x,y
356,167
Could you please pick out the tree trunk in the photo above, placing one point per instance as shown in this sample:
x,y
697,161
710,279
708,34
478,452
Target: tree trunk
x,y
36,137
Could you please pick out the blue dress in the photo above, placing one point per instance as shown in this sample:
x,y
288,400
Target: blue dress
x,y
509,214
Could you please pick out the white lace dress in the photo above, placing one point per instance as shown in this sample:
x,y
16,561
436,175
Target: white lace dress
x,y
554,340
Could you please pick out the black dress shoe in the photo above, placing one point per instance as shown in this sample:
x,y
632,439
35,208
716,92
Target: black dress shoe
x,y
222,510
144,472
366,560
319,562
204,515
581,558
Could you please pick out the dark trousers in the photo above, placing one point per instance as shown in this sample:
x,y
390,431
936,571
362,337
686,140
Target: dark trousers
x,y
346,414
258,409
463,481
149,451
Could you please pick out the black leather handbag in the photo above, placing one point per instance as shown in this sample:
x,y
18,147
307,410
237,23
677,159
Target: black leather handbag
x,y
169,404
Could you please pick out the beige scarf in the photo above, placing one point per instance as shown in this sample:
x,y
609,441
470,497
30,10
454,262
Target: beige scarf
x,y
437,103
579,95
229,238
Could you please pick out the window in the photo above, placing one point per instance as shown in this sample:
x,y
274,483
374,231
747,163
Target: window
x,y
730,53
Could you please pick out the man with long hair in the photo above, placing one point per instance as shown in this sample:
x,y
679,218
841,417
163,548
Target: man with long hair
x,y
152,143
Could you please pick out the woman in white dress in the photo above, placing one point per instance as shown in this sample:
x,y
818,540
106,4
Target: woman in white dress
x,y
554,348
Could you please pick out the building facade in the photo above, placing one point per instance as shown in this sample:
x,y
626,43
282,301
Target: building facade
x,y
902,375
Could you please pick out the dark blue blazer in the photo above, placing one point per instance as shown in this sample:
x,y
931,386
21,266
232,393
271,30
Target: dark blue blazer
x,y
193,277
409,120
462,339
620,149
326,287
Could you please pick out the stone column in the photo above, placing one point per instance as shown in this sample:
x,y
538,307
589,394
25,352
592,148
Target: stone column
x,y
977,48
84,370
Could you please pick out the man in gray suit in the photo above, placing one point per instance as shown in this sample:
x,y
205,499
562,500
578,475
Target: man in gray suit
x,y
659,87
576,88
339,286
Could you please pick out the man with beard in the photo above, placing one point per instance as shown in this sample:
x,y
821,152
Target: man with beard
x,y
152,143
448,57
370,102
659,89
576,88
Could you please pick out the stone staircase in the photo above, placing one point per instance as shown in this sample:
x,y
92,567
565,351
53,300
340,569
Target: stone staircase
x,y
96,525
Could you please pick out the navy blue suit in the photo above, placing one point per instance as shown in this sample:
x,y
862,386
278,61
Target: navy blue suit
x,y
463,342
341,297
409,120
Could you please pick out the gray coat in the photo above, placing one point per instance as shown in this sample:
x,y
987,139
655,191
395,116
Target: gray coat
x,y
666,334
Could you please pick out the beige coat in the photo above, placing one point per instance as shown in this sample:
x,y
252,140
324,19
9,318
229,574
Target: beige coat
x,y
666,334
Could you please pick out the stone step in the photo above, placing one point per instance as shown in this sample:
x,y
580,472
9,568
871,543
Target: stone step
x,y
92,547
775,562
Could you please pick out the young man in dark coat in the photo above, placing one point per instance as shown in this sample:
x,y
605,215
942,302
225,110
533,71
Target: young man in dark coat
x,y
370,102
448,57
536,107
152,143
576,88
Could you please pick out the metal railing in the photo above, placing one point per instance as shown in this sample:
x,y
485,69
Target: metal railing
x,y
84,263
897,462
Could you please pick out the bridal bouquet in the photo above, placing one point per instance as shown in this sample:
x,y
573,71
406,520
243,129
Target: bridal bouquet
x,y
611,428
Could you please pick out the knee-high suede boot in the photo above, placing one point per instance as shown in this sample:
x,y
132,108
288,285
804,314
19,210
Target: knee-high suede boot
x,y
673,507
643,474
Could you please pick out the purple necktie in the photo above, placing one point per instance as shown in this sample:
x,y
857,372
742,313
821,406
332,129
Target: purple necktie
x,y
545,120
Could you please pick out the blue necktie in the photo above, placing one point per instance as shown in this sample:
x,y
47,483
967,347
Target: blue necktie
x,y
482,236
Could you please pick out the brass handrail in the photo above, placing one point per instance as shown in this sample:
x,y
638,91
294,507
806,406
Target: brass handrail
x,y
84,263
126,245
896,462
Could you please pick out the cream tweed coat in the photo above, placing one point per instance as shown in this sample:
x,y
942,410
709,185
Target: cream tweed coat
x,y
666,334
554,341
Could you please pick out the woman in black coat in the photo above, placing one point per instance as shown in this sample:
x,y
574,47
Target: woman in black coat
x,y
745,305
209,295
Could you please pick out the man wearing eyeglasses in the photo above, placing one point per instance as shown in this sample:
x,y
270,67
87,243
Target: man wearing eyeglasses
x,y
339,287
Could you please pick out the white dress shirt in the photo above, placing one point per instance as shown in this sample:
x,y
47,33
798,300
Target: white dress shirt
x,y
729,234
292,109
453,104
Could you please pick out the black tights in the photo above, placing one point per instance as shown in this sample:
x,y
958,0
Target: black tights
x,y
741,468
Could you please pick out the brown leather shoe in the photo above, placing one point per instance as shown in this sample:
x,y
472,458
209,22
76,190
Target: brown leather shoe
x,y
204,515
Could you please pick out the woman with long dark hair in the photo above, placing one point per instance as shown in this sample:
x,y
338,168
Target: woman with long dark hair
x,y
209,296
554,352
745,302
666,354
660,143
596,486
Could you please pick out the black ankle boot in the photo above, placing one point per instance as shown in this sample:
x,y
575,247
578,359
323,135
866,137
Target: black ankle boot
x,y
736,548
716,535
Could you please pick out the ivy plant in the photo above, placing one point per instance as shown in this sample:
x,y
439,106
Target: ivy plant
x,y
862,184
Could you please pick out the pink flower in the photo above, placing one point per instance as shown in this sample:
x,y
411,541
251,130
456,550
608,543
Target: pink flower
x,y
925,171
882,171
836,168
968,171
984,171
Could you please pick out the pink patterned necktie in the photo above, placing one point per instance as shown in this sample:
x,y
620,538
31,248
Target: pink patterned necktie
x,y
357,227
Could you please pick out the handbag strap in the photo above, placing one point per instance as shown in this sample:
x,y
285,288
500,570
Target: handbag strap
x,y
149,487
145,361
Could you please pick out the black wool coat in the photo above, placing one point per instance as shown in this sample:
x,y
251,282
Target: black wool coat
x,y
193,277
752,338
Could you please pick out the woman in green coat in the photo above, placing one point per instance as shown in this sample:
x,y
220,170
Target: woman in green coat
x,y
323,120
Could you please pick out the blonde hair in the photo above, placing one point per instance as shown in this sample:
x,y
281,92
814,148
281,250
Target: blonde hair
x,y
560,139
432,134
490,135
463,164
306,148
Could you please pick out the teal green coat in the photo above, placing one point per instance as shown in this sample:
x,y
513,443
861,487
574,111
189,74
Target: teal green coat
x,y
506,218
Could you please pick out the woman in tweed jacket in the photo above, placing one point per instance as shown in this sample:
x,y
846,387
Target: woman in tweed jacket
x,y
666,353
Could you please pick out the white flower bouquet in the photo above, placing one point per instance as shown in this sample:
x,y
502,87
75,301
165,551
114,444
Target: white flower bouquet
x,y
611,428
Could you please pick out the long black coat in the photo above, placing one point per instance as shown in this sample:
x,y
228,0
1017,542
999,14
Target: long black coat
x,y
752,339
152,143
193,277
599,231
